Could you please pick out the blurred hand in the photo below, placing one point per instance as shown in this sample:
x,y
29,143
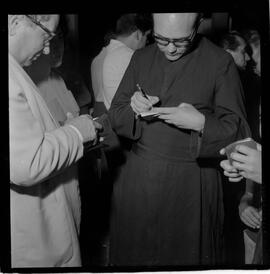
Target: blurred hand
x,y
98,128
184,116
231,172
69,117
87,127
91,111
248,162
140,104
249,215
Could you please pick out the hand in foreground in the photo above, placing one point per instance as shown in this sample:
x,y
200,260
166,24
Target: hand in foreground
x,y
250,216
87,127
98,128
69,116
231,172
248,162
184,116
141,104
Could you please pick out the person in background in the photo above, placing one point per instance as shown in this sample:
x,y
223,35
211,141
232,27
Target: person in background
x,y
247,164
109,66
44,196
252,36
167,206
243,52
96,70
235,44
253,83
107,70
130,34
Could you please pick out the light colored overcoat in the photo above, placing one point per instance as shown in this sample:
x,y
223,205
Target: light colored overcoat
x,y
44,196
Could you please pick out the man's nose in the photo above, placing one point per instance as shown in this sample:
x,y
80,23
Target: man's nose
x,y
171,47
247,57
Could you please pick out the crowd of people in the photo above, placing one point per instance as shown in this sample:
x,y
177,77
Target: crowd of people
x,y
167,108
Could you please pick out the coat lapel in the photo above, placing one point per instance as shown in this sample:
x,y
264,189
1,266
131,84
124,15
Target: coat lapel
x,y
36,102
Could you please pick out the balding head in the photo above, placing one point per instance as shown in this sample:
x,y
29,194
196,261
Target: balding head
x,y
29,36
174,26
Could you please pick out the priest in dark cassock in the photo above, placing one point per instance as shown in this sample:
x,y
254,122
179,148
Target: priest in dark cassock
x,y
167,206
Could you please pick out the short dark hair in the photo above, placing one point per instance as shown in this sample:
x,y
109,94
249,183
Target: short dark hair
x,y
230,40
200,17
130,22
252,36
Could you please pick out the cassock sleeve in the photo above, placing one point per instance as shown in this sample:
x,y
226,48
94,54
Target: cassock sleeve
x,y
121,115
35,155
228,121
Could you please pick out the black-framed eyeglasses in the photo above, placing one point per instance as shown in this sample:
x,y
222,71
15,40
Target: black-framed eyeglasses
x,y
178,43
51,34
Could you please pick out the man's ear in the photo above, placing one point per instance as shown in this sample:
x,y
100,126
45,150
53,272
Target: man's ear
x,y
229,51
13,23
138,34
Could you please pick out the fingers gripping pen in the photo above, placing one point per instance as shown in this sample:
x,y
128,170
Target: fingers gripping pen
x,y
142,91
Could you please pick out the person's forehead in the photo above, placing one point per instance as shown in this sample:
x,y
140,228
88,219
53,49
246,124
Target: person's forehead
x,y
256,52
255,47
174,25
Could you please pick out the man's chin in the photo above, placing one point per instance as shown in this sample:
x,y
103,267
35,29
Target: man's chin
x,y
28,63
173,57
31,61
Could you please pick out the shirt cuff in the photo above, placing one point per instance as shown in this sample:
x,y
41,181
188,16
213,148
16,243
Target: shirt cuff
x,y
78,132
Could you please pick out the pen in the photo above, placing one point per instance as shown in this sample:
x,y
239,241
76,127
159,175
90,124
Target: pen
x,y
142,91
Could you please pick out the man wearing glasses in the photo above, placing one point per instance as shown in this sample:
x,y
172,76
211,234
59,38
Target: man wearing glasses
x,y
45,201
167,202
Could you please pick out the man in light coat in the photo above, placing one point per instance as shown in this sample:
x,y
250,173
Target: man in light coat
x,y
45,201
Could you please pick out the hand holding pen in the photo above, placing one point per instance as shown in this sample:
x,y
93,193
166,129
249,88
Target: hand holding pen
x,y
141,102
142,91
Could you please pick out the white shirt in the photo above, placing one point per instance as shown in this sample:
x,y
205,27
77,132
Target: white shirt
x,y
96,75
115,64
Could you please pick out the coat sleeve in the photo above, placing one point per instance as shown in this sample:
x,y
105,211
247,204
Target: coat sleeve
x,y
36,155
227,123
121,114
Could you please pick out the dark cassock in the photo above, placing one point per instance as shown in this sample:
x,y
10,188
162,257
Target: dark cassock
x,y
252,89
167,205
